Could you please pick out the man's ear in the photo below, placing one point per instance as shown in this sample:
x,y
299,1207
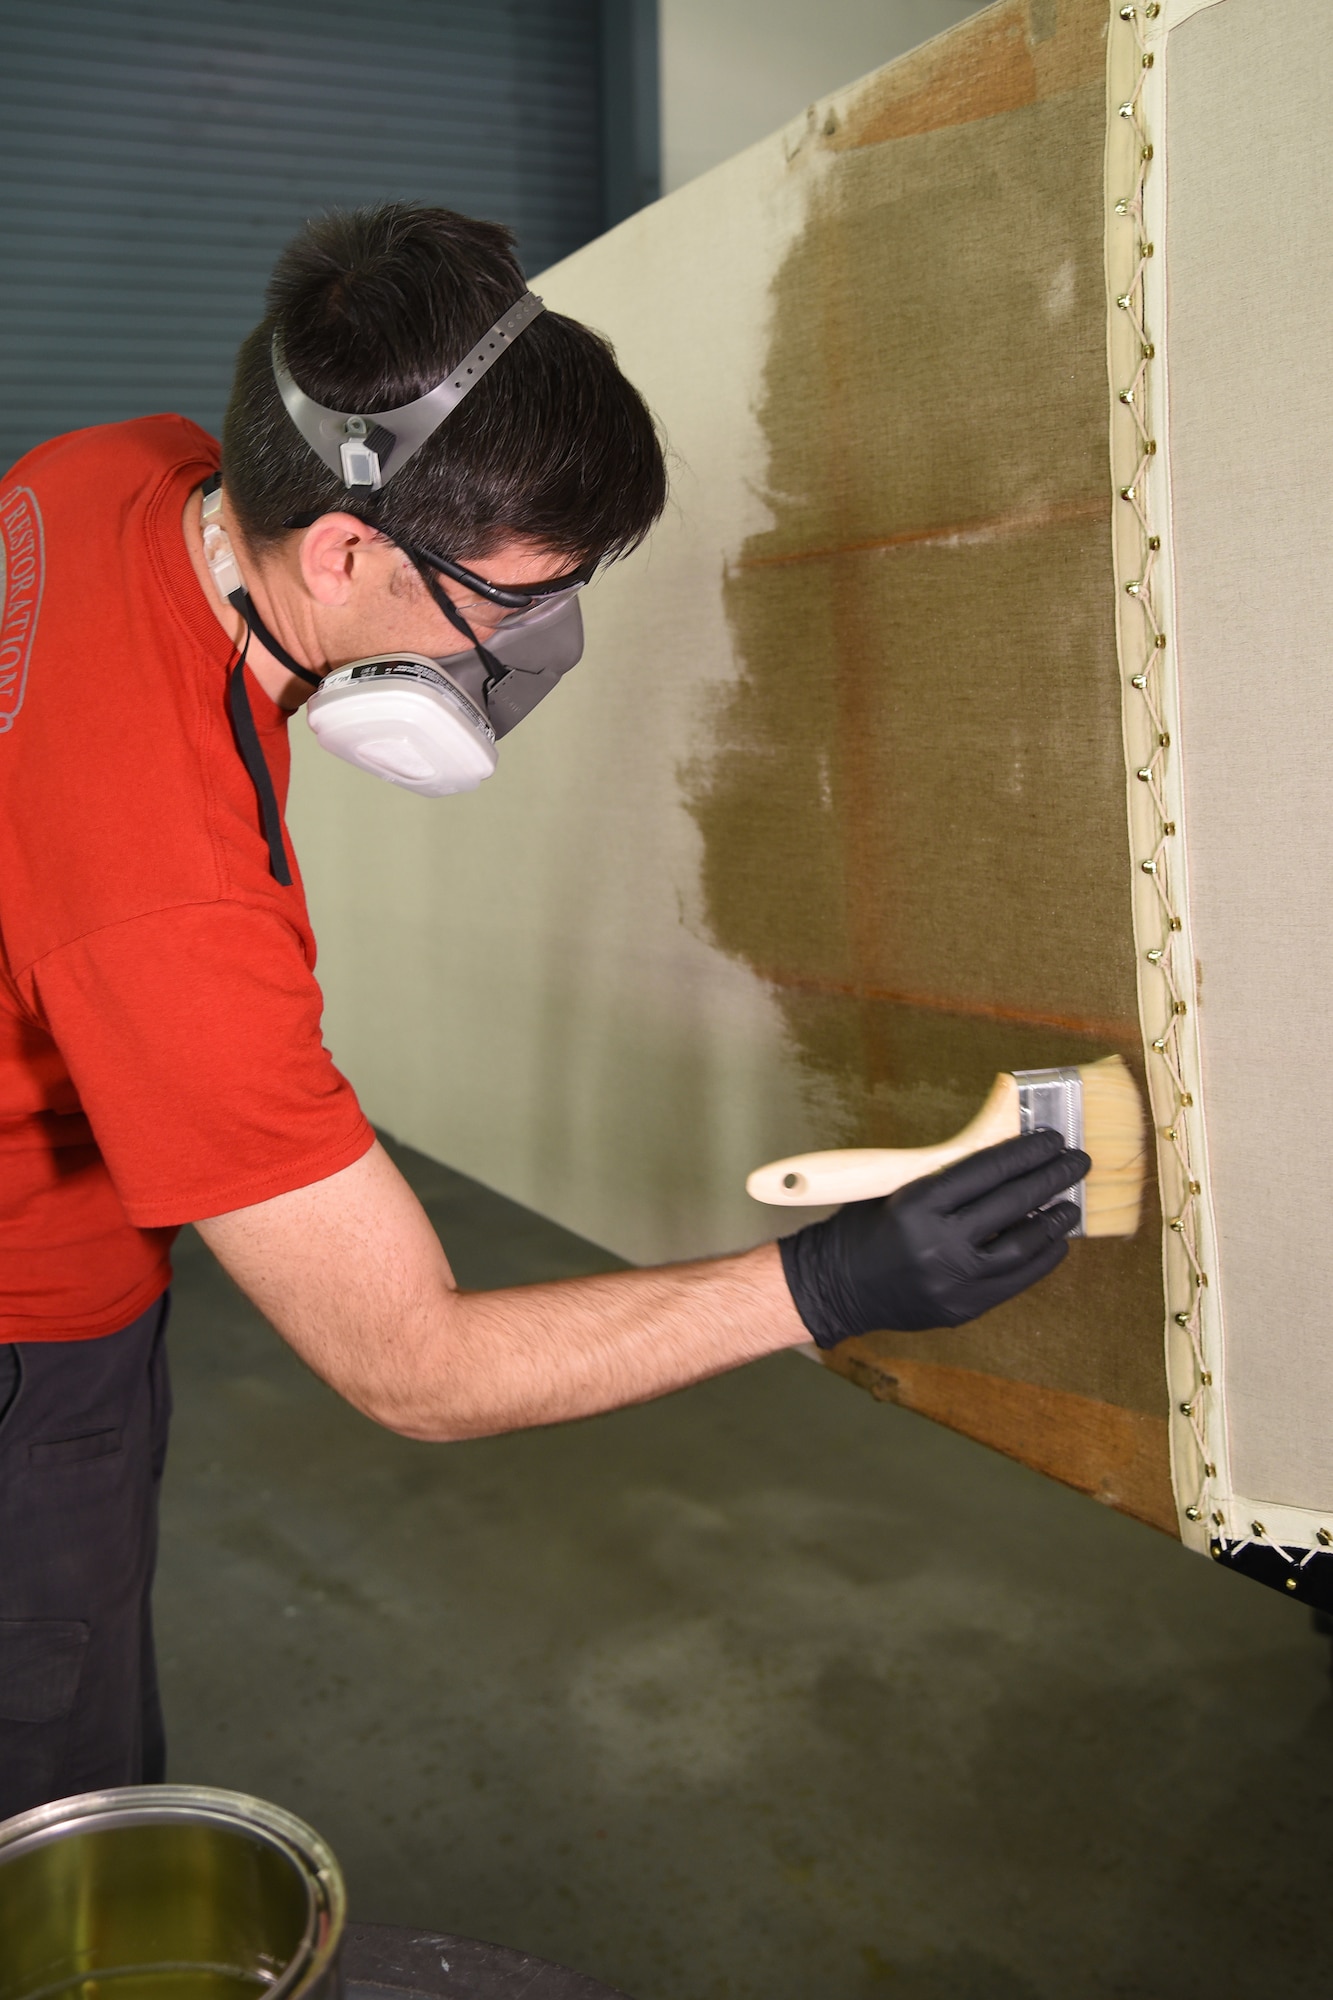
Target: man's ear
x,y
332,550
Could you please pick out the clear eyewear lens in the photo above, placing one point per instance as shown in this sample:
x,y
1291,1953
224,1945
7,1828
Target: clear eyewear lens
x,y
488,616
542,607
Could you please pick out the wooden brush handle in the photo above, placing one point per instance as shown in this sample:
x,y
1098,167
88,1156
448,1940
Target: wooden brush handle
x,y
816,1179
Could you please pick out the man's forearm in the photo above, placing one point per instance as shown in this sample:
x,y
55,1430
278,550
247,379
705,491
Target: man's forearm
x,y
541,1354
352,1275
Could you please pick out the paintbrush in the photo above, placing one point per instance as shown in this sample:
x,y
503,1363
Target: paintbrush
x,y
1096,1107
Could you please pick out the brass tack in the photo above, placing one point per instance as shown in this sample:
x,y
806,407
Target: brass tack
x,y
1210,1470
1154,954
1160,1047
1127,493
1219,1519
1196,1187
1187,1409
1151,449
1206,1378
1256,1527
1145,774
1148,867
1179,1007
1138,680
1168,826
1291,1583
1159,641
1147,62
1187,1098
1323,1537
1175,925
1154,541
1194,1513
1164,740
1178,1225
1182,1319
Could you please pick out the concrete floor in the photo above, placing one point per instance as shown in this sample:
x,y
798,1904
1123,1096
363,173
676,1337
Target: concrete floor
x,y
764,1692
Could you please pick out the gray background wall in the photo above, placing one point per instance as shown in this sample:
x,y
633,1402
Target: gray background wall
x,y
156,155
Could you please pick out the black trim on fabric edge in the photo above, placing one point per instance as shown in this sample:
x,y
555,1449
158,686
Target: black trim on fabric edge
x,y
1292,1572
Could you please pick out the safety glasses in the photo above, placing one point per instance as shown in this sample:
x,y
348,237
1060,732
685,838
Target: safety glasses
x,y
507,596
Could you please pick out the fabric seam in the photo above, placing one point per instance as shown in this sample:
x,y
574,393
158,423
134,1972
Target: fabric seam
x,y
234,898
1154,781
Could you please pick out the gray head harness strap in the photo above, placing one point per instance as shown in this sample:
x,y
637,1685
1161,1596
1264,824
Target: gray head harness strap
x,y
364,451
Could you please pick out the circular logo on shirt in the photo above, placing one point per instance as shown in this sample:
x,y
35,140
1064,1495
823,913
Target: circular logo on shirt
x,y
20,595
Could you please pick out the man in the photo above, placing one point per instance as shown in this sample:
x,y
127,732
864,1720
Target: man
x,y
160,1050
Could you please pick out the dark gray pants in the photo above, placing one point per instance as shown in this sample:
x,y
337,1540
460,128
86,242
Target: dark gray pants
x,y
83,1438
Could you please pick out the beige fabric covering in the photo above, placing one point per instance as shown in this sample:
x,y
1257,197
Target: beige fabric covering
x,y
1245,87
831,824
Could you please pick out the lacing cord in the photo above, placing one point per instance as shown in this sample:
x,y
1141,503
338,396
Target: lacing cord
x,y
1167,1046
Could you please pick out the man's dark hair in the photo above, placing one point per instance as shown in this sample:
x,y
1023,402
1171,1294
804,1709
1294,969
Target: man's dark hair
x,y
372,307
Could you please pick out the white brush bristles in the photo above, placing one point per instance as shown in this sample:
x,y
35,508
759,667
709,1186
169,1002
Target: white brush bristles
x,y
1115,1139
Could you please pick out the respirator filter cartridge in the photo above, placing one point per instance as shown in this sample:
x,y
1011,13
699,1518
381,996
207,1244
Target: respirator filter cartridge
x,y
401,717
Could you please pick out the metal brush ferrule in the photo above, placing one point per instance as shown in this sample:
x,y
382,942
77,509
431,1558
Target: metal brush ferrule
x,y
1053,1098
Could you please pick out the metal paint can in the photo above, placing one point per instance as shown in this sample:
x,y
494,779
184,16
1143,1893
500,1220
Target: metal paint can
x,y
167,1892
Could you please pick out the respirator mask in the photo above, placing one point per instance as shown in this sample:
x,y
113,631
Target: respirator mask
x,y
432,724
428,724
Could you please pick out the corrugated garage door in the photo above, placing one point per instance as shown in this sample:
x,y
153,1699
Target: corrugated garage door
x,y
156,155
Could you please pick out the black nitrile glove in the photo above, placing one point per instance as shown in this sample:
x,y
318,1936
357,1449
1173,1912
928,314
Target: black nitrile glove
x,y
942,1249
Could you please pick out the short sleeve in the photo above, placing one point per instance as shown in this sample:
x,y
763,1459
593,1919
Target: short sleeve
x,y
193,1038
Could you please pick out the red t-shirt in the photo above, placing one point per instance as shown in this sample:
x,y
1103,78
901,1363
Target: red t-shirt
x,y
160,1050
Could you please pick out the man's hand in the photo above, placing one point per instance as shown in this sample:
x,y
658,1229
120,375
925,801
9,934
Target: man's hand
x,y
941,1250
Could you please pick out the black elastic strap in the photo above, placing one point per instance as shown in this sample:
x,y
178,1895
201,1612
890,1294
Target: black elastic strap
x,y
496,670
243,721
241,600
252,756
